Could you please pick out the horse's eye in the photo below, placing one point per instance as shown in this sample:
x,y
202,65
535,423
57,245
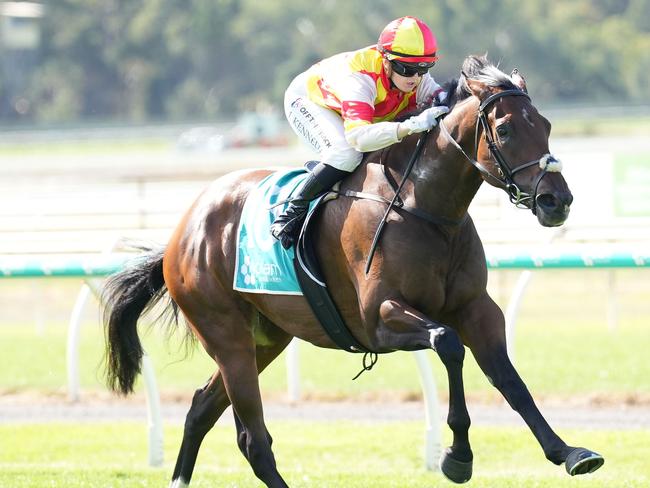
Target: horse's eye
x,y
502,131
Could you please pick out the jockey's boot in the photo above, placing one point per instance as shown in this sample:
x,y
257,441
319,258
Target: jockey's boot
x,y
286,226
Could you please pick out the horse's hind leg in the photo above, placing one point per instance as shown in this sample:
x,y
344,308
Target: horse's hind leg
x,y
210,402
483,330
207,406
239,369
264,357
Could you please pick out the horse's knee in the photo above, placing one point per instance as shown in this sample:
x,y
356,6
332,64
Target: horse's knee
x,y
446,342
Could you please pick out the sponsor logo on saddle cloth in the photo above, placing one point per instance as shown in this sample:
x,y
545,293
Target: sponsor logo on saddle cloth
x,y
262,264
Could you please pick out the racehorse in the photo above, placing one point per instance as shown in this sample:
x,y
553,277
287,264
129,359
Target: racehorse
x,y
424,289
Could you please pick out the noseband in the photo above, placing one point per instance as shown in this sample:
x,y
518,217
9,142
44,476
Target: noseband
x,y
506,172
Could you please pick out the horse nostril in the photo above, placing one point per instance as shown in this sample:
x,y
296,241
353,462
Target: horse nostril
x,y
555,201
547,201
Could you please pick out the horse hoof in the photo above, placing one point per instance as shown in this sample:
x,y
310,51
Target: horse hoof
x,y
583,461
454,470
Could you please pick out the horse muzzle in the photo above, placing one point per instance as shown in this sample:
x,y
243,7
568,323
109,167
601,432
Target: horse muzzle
x,y
552,209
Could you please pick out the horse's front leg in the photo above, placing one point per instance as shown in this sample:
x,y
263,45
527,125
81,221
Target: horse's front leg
x,y
405,328
482,327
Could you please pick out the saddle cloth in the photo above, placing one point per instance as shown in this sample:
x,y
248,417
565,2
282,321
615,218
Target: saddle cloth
x,y
262,264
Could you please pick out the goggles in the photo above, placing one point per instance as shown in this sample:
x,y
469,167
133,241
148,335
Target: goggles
x,y
411,69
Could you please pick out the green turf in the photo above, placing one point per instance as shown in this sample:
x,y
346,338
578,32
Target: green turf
x,y
320,454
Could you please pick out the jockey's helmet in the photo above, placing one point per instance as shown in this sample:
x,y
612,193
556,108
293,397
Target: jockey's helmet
x,y
408,40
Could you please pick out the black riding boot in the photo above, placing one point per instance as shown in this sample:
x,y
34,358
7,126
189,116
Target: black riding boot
x,y
286,226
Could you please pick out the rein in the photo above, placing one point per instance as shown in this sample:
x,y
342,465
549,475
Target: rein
x,y
397,202
418,149
505,180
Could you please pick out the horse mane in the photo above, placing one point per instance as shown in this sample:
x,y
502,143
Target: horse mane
x,y
478,68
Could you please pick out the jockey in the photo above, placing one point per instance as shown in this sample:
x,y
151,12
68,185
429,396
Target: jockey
x,y
344,105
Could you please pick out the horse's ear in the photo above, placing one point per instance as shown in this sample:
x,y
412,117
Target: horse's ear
x,y
519,80
478,88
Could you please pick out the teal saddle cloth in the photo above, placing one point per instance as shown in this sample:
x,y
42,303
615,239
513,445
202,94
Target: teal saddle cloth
x,y
262,264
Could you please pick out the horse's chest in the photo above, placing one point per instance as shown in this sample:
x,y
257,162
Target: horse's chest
x,y
439,277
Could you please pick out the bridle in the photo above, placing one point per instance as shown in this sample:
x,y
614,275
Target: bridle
x,y
506,172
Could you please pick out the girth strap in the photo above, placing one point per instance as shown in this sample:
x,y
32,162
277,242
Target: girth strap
x,y
399,204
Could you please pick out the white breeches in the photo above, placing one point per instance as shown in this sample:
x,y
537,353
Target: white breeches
x,y
320,127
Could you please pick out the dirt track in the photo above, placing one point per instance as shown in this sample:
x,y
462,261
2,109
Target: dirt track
x,y
21,410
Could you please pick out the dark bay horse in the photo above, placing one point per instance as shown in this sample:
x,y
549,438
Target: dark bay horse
x,y
425,288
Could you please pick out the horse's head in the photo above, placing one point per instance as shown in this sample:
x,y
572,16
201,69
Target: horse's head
x,y
511,142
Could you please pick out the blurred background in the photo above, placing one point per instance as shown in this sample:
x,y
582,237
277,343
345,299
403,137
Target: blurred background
x,y
70,62
115,114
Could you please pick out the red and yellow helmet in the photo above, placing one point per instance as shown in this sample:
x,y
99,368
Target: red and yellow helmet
x,y
409,40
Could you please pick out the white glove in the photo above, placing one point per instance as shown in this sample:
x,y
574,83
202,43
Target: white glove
x,y
425,120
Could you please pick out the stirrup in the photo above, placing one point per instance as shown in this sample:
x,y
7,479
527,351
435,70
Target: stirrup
x,y
288,233
287,237
294,215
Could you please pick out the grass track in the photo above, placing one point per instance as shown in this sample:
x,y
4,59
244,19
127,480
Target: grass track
x,y
324,454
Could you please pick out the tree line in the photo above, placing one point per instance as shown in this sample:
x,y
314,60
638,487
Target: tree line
x,y
166,60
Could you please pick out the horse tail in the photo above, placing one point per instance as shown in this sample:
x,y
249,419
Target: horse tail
x,y
126,296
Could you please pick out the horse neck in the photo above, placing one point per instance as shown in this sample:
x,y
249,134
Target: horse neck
x,y
445,183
